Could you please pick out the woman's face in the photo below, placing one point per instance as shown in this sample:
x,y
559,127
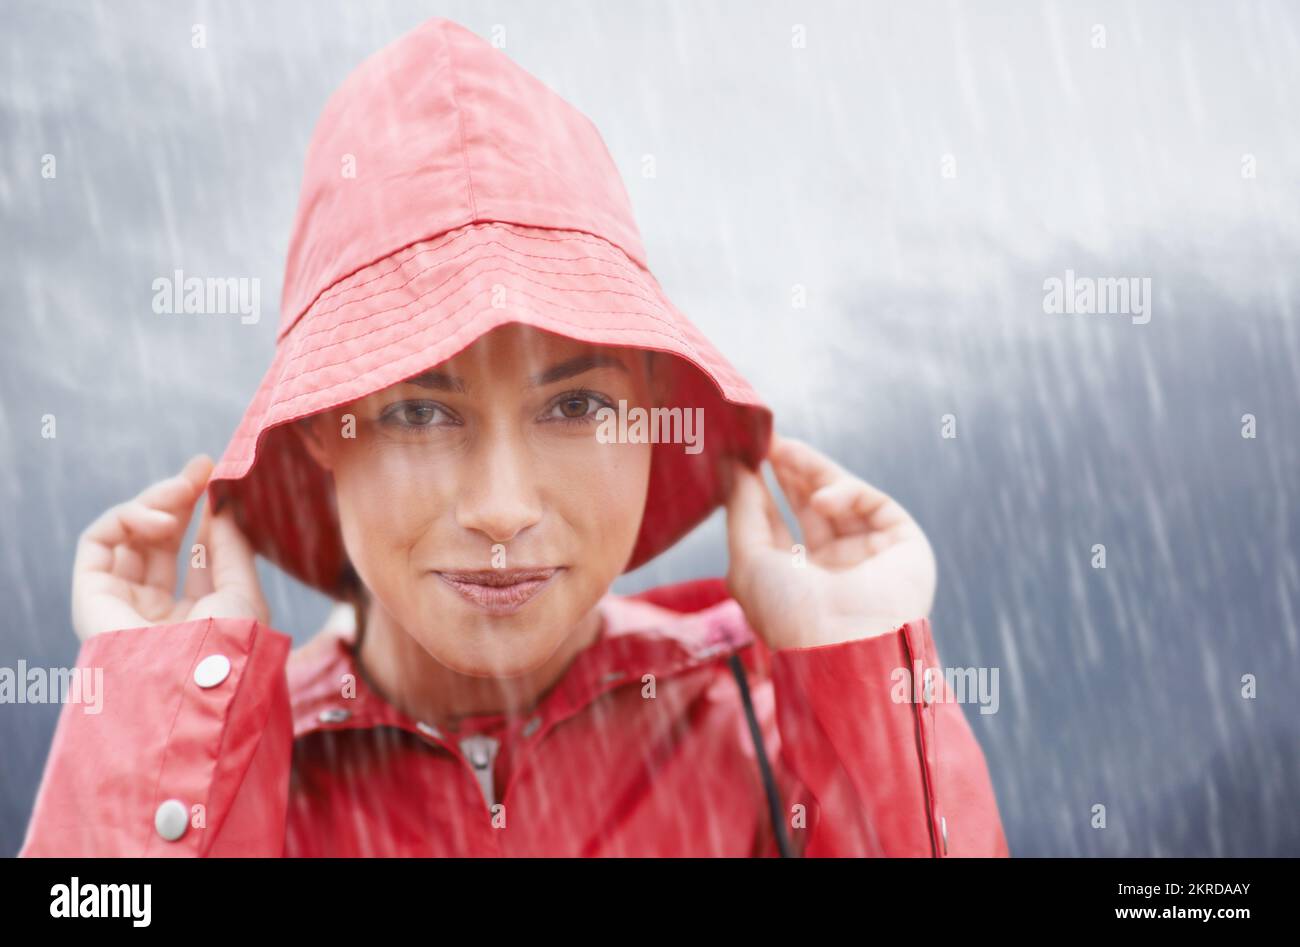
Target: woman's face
x,y
477,504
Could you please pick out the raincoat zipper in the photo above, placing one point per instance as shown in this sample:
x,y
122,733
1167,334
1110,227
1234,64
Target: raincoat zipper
x,y
481,752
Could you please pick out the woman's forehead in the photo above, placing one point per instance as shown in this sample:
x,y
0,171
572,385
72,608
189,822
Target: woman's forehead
x,y
541,356
526,342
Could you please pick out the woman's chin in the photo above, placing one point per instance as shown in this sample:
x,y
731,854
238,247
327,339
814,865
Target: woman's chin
x,y
494,659
477,645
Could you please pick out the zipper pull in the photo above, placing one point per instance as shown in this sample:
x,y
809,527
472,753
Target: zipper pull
x,y
481,751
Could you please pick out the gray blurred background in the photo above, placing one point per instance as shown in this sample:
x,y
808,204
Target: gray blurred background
x,y
828,166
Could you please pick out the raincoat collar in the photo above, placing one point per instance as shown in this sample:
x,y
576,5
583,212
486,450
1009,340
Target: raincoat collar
x,y
638,637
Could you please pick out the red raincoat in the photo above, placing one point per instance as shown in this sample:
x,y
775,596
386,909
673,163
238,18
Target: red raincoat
x,y
473,180
641,749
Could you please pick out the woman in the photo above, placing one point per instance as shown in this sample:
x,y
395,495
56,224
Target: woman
x,y
483,409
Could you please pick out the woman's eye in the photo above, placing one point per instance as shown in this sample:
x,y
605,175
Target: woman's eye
x,y
414,414
576,406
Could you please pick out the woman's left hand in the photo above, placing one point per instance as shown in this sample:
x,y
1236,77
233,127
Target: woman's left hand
x,y
867,567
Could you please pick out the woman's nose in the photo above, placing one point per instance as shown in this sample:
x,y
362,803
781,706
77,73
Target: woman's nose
x,y
498,495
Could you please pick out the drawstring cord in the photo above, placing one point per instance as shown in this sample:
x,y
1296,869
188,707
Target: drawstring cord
x,y
775,810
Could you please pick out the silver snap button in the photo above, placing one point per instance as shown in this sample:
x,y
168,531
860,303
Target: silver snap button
x,y
531,726
212,670
428,730
479,750
334,715
172,819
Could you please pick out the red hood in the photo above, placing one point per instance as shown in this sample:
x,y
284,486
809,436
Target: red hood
x,y
439,174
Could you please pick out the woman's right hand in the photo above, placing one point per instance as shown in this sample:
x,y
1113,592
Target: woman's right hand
x,y
124,575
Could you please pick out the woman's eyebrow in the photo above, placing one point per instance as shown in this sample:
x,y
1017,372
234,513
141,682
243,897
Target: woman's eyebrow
x,y
437,380
576,366
441,381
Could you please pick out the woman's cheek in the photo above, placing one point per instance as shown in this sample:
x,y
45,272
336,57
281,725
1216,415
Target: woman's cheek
x,y
611,498
386,506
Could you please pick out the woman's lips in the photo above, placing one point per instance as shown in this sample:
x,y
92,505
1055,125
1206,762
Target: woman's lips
x,y
499,591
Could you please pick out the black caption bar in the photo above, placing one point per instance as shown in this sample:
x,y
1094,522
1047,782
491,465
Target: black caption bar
x,y
334,896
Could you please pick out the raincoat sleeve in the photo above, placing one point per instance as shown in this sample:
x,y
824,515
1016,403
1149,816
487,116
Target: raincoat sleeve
x,y
882,768
203,757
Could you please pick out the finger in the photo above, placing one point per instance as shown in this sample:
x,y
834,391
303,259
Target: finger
x,y
198,579
94,553
804,472
198,471
819,472
816,529
128,563
776,522
179,494
128,522
132,521
133,544
811,467
231,558
748,526
853,506
148,556
160,567
148,525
